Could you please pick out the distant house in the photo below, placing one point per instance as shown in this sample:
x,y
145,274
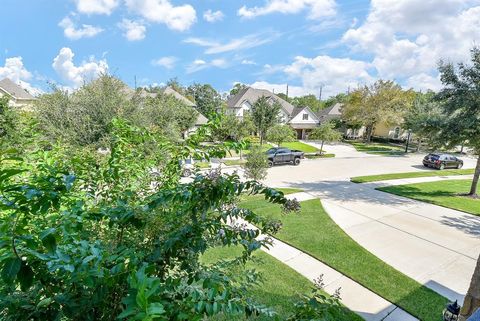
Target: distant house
x,y
19,97
301,119
201,119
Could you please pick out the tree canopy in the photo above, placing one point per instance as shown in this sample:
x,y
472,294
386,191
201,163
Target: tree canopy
x,y
280,133
460,102
265,114
383,102
207,99
326,132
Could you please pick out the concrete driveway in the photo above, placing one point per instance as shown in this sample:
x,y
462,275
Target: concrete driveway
x,y
436,246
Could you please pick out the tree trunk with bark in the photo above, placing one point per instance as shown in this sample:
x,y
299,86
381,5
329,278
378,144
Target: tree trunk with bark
x,y
476,175
472,299
321,147
368,133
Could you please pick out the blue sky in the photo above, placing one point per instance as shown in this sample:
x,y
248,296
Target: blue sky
x,y
265,43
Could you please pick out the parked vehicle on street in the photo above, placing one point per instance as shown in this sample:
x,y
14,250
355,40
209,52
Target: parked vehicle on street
x,y
282,155
188,167
442,161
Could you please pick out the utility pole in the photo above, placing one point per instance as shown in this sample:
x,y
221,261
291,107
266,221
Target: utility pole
x,y
135,79
287,91
320,92
408,140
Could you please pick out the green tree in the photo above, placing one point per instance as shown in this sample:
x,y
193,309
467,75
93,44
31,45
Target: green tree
x,y
166,115
233,128
460,100
383,102
265,114
236,88
280,133
256,164
207,99
326,132
8,123
85,236
83,117
424,118
308,101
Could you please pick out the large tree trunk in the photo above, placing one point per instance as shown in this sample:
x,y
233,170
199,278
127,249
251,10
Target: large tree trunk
x,y
472,299
476,175
368,133
321,147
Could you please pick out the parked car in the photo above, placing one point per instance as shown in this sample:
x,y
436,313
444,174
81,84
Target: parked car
x,y
282,155
442,161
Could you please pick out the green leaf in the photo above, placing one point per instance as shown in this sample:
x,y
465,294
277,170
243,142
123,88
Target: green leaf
x,y
11,269
155,309
25,276
44,302
48,240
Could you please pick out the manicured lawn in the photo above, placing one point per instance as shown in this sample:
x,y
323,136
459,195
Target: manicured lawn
x,y
202,164
320,156
444,193
314,232
233,153
377,148
426,173
281,285
300,146
233,162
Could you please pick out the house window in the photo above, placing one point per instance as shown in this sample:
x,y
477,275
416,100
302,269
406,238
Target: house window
x,y
305,116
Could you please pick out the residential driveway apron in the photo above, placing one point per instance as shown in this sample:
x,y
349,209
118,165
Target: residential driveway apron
x,y
434,245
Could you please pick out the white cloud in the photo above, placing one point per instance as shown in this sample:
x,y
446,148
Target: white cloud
x,y
166,62
316,8
72,32
213,16
133,30
75,76
178,18
200,64
96,6
248,62
243,43
16,72
408,37
334,74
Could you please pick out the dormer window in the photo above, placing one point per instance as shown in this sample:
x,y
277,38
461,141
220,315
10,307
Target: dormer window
x,y
305,117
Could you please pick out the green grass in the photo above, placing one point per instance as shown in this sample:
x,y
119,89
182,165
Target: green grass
x,y
289,190
314,232
377,148
234,162
202,164
232,153
443,193
300,146
426,173
281,285
320,156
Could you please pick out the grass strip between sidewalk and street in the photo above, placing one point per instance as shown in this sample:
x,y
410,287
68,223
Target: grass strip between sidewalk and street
x,y
426,173
446,193
377,148
281,287
314,232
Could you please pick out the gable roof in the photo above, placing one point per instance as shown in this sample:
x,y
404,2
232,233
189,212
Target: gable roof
x,y
332,112
201,120
252,95
14,90
170,91
298,110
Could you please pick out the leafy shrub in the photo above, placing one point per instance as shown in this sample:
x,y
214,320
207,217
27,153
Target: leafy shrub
x,y
256,165
85,236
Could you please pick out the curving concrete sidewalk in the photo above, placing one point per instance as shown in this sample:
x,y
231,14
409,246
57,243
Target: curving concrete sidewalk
x,y
434,245
357,298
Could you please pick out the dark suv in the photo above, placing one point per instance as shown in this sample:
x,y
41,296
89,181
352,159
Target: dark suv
x,y
441,161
